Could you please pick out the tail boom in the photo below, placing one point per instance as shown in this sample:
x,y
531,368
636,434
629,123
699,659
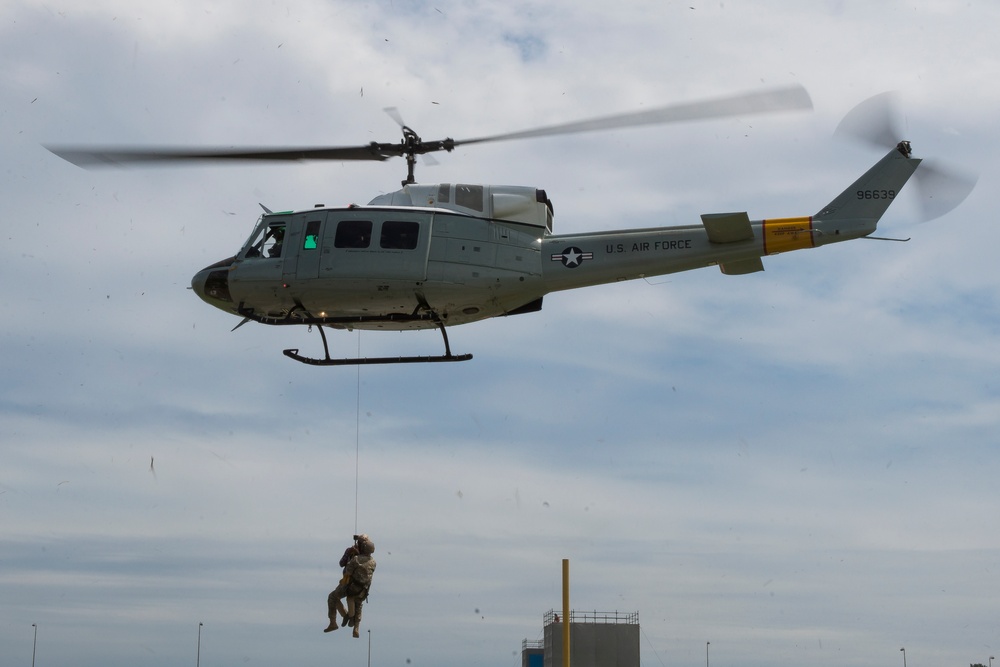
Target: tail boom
x,y
729,240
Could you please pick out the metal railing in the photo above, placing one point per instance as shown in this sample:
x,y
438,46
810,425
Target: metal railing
x,y
605,617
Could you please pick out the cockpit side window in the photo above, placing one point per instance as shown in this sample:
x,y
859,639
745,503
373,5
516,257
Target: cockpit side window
x,y
273,240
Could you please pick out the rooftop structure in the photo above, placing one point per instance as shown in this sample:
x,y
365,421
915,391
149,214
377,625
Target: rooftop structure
x,y
597,639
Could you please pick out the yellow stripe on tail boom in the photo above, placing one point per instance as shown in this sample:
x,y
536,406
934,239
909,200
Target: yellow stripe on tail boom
x,y
784,234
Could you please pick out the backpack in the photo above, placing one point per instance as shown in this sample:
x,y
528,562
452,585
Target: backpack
x,y
361,577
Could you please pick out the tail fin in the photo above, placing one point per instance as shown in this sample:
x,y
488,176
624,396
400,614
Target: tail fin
x,y
867,199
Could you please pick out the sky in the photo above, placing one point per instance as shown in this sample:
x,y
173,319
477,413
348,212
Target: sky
x,y
797,466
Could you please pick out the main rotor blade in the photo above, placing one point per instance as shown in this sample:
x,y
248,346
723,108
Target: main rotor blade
x,y
117,156
778,99
394,114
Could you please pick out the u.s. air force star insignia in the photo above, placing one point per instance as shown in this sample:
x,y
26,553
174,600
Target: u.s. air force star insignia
x,y
572,257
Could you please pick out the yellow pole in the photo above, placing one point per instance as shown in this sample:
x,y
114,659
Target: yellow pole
x,y
565,627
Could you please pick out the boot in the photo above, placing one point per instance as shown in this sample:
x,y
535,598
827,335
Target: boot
x,y
356,632
332,626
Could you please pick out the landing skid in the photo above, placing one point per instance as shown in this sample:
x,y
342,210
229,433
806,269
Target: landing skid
x,y
327,361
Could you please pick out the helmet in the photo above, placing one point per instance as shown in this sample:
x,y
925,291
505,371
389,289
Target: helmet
x,y
365,545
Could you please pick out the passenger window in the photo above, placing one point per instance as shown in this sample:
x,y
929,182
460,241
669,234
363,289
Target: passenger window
x,y
312,235
444,193
399,235
353,234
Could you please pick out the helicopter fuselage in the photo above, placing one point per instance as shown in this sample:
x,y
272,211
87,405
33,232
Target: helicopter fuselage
x,y
435,255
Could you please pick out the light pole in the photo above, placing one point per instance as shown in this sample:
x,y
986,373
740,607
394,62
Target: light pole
x,y
706,653
198,658
991,661
34,645
904,656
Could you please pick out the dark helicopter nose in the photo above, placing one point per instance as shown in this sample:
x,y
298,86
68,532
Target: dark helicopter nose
x,y
212,284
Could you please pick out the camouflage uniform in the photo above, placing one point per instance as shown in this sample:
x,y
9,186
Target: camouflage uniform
x,y
354,586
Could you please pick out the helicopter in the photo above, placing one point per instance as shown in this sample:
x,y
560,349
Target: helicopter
x,y
440,255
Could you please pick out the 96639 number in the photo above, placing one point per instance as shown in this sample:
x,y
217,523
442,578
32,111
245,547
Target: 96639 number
x,y
876,194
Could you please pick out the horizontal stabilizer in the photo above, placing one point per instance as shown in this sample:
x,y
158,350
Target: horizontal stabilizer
x,y
727,227
739,267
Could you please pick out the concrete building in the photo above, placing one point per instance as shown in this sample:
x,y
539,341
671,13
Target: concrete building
x,y
596,639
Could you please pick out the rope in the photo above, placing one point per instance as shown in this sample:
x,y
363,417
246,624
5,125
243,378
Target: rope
x,y
357,439
651,647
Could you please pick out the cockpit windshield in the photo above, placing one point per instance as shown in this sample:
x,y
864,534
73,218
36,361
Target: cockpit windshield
x,y
267,241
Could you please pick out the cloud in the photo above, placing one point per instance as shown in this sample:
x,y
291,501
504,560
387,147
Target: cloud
x,y
792,465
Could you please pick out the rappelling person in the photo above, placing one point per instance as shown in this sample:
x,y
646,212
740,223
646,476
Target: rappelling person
x,y
359,566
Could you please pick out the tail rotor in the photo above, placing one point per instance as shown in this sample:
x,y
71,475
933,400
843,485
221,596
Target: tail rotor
x,y
876,121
